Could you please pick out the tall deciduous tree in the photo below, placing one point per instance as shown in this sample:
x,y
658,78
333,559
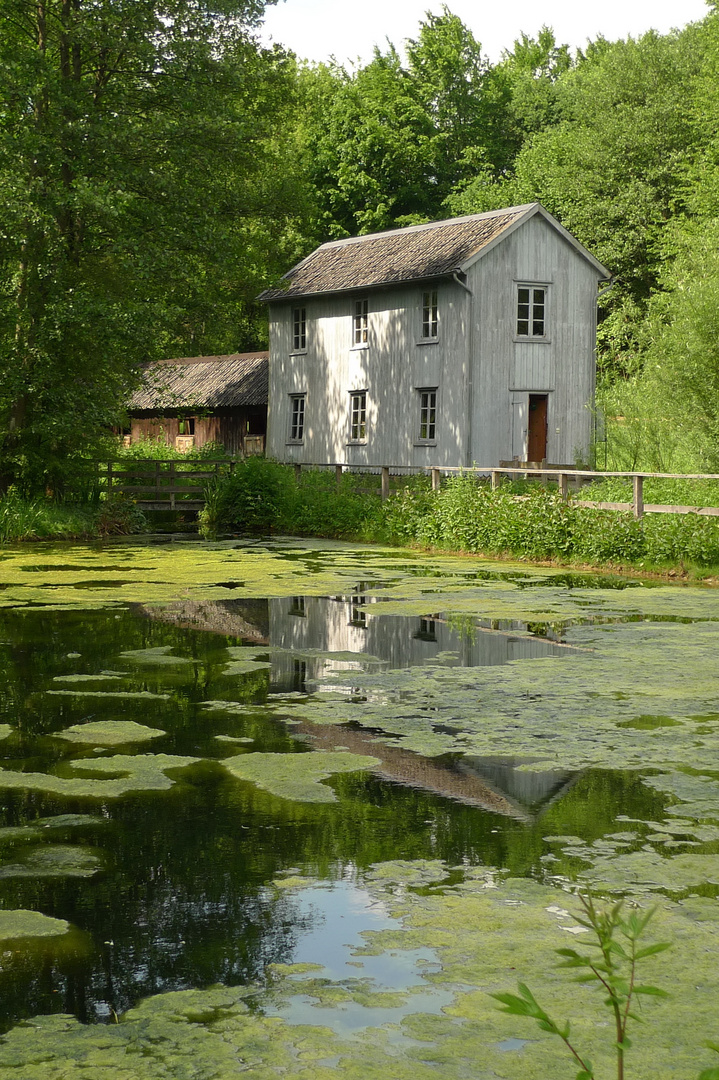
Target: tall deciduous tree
x,y
143,177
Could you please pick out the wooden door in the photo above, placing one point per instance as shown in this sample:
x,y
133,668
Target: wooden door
x,y
537,434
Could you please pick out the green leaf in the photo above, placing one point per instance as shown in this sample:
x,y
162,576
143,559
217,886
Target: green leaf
x,y
654,991
651,950
709,1074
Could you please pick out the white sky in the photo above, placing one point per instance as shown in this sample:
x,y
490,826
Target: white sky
x,y
319,29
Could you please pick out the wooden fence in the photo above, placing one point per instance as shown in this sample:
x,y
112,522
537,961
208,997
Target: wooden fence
x,y
169,483
163,483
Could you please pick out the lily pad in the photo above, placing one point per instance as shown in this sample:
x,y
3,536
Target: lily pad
x,y
298,776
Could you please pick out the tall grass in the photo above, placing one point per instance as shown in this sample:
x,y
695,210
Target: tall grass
x,y
46,519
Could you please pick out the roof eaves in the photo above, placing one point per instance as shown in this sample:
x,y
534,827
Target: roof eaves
x,y
368,287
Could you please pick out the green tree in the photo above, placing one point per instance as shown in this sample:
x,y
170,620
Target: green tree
x,y
142,145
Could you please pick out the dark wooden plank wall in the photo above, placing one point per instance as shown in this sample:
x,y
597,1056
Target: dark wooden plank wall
x,y
228,428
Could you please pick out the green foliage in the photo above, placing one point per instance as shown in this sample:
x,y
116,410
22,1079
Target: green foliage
x,y
152,449
44,519
147,192
611,966
263,496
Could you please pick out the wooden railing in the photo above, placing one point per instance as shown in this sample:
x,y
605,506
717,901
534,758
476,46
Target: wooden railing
x,y
564,477
163,483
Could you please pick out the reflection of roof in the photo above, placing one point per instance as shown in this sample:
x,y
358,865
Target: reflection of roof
x,y
415,253
204,382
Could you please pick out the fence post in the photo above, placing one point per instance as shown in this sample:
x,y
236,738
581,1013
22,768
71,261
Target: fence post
x,y
563,486
109,478
298,471
338,476
385,483
638,496
436,479
495,479
172,485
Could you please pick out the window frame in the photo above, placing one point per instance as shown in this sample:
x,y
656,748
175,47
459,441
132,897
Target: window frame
x,y
299,330
358,427
298,411
431,408
429,330
532,306
360,323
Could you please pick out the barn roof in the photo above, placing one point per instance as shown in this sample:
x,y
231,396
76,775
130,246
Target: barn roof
x,y
415,253
207,382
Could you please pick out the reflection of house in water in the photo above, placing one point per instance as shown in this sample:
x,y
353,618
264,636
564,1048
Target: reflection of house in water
x,y
350,633
316,643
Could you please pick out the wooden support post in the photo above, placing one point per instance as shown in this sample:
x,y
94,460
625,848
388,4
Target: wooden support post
x,y
338,476
563,482
436,479
298,471
495,479
638,496
158,477
173,482
385,483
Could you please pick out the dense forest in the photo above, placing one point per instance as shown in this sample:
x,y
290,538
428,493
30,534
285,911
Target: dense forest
x,y
159,167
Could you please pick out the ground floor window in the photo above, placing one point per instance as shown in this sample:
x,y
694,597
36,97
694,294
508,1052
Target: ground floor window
x,y
358,416
297,417
186,426
428,414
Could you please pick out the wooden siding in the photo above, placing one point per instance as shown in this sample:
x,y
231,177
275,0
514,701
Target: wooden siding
x,y
562,366
229,428
482,405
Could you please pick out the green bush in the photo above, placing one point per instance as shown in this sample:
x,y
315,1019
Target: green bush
x,y
254,498
45,519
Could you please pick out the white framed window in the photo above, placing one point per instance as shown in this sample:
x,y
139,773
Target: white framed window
x,y
531,311
297,417
299,329
360,322
358,416
430,315
427,414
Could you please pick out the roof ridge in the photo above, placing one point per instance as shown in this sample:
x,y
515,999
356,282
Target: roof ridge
x,y
424,227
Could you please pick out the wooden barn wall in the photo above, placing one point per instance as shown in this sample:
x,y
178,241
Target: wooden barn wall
x,y
227,428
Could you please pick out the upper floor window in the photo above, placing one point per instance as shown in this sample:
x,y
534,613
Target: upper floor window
x,y
358,416
531,311
297,417
430,320
299,328
428,415
360,322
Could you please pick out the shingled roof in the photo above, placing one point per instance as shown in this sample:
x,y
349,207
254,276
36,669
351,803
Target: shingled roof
x,y
415,253
208,382
411,254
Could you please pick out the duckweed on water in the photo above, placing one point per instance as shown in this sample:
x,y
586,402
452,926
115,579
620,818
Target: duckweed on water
x,y
56,861
29,924
143,772
5,731
298,776
159,656
485,932
110,694
109,733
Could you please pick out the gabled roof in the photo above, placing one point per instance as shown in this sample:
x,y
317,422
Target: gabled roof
x,y
204,382
416,253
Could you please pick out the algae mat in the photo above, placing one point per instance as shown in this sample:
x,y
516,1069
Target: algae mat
x,y
472,929
375,779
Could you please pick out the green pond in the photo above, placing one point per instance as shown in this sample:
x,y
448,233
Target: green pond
x,y
297,808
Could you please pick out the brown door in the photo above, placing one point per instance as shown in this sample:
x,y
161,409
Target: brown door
x,y
537,435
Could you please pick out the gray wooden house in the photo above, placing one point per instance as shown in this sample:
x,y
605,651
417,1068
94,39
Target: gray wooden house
x,y
193,400
464,341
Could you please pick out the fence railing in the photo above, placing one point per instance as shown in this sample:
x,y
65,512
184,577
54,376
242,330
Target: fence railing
x,y
564,477
169,483
163,483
